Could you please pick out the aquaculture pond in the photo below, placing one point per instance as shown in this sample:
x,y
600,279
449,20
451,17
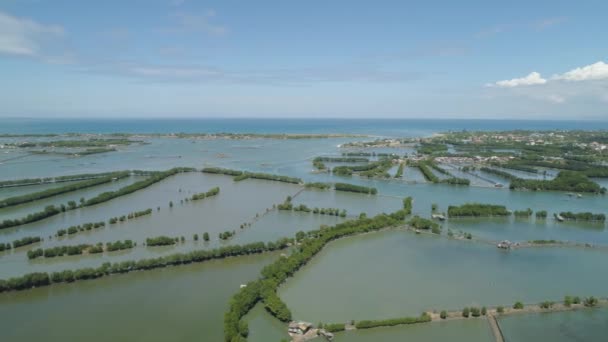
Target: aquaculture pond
x,y
182,303
387,274
398,273
579,325
236,204
473,330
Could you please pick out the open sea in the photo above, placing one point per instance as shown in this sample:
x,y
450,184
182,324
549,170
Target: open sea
x,y
379,127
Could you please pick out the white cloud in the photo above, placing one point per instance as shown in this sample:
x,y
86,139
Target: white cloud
x,y
25,37
533,78
596,71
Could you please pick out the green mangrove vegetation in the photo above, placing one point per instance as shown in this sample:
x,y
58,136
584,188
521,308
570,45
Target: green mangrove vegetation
x,y
38,279
59,179
477,210
523,213
368,324
565,181
52,210
399,172
154,178
226,235
210,193
425,169
378,169
242,175
355,188
80,228
541,214
28,240
79,249
418,222
584,216
318,185
161,241
48,211
61,190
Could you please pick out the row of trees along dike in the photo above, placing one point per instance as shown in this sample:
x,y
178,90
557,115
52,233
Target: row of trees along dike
x,y
28,240
477,210
399,172
210,193
318,185
79,249
425,169
59,179
377,169
52,210
130,216
564,181
95,225
368,324
264,289
319,162
161,241
38,279
585,216
287,205
242,175
355,188
11,201
80,228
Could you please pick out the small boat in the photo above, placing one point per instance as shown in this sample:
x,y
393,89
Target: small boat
x,y
579,196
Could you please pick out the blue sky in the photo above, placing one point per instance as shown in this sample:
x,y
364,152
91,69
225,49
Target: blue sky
x,y
397,59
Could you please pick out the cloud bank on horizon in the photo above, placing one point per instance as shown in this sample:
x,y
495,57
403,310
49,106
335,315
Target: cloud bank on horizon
x,y
183,58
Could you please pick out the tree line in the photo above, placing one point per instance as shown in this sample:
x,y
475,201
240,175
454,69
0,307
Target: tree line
x,y
154,178
161,241
38,279
31,197
585,216
355,188
80,228
565,181
242,175
477,210
80,249
58,179
424,167
287,205
209,193
52,210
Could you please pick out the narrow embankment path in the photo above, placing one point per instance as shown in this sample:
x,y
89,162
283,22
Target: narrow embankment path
x,y
498,337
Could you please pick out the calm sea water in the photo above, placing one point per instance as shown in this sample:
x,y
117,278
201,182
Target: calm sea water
x,y
384,127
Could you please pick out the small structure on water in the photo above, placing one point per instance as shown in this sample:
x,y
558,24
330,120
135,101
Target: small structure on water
x,y
299,328
439,217
505,244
